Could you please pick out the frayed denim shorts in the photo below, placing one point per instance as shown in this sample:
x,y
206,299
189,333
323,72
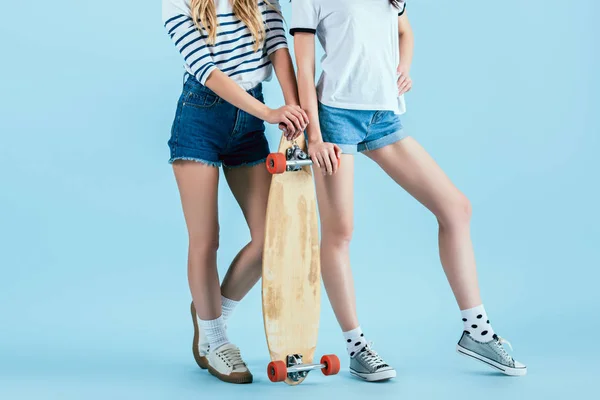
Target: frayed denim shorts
x,y
209,130
359,130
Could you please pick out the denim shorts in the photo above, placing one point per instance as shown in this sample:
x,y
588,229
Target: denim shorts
x,y
209,130
359,130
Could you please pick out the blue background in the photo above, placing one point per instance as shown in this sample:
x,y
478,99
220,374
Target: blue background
x,y
93,292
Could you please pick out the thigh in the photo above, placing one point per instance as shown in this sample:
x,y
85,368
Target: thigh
x,y
198,185
250,187
409,165
335,195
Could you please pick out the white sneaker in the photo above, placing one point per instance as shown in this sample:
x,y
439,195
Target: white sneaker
x,y
200,345
226,364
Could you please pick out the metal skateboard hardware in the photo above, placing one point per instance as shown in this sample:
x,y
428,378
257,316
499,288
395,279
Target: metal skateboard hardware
x,y
293,160
296,158
296,371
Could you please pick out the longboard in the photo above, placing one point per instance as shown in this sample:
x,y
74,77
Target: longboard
x,y
291,275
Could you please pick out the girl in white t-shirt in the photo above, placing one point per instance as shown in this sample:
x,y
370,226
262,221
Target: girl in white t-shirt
x,y
356,107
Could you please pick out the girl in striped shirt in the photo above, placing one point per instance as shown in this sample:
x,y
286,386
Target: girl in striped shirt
x,y
229,48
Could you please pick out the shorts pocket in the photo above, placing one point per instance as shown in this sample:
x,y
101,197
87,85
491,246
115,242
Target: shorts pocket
x,y
200,100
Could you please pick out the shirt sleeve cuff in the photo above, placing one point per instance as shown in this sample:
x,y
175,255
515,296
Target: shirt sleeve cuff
x,y
403,10
305,30
281,44
203,74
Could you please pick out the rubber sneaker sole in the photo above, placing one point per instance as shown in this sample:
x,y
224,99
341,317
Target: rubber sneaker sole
x,y
375,377
239,378
491,363
201,360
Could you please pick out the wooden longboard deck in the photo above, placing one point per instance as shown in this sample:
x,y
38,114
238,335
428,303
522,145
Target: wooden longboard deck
x,y
291,276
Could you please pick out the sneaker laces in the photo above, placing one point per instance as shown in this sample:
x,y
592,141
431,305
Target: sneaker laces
x,y
233,357
503,352
502,341
371,357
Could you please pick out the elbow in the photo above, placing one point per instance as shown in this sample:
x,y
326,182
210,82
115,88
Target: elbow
x,y
405,30
405,35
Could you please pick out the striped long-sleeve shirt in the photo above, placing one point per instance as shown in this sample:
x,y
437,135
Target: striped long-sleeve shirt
x,y
233,53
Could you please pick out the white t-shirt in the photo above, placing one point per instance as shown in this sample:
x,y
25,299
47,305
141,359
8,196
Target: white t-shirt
x,y
360,39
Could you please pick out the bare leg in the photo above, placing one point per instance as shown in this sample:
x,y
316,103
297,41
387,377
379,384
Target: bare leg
x,y
198,185
250,187
336,203
409,165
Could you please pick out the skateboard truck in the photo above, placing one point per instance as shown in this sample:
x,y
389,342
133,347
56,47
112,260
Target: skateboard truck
x,y
295,370
293,160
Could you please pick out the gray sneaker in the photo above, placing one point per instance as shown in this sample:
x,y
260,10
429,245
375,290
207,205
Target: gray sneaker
x,y
369,365
491,353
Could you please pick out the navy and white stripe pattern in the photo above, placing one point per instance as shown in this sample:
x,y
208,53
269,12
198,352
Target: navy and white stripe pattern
x,y
233,53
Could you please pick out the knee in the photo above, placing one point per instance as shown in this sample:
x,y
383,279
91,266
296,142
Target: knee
x,y
339,235
203,245
456,213
255,249
257,238
257,241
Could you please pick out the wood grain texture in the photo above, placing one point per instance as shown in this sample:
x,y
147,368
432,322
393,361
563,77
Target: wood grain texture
x,y
291,286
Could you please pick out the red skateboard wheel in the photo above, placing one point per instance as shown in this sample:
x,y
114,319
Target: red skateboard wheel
x,y
276,163
332,364
277,371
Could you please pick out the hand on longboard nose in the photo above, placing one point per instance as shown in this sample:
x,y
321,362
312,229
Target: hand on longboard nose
x,y
284,131
326,156
294,134
292,118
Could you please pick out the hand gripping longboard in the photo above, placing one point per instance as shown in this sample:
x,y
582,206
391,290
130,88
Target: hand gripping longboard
x,y
292,160
291,273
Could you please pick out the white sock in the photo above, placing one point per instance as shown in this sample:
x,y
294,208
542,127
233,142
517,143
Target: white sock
x,y
477,324
355,341
227,306
215,332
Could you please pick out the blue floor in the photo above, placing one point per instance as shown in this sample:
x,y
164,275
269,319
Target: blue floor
x,y
140,350
82,374
123,378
